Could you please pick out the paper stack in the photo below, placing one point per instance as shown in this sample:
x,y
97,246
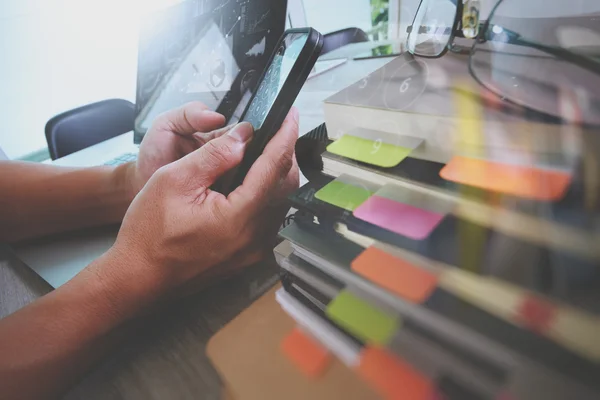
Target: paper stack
x,y
441,273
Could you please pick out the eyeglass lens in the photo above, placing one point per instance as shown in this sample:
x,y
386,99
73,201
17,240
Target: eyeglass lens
x,y
511,60
432,27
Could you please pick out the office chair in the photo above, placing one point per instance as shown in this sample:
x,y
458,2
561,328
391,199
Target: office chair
x,y
337,39
85,126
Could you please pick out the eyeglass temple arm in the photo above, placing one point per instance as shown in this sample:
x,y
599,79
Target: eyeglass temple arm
x,y
566,55
457,33
457,22
422,29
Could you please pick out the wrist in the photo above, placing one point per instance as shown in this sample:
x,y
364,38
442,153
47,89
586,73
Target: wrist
x,y
124,179
129,283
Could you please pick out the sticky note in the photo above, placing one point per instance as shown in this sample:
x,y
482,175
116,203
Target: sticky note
x,y
400,218
522,181
375,152
505,396
308,355
392,377
362,319
536,314
415,198
344,195
571,328
394,274
472,240
470,118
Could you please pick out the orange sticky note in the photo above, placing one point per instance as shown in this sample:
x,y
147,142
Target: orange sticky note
x,y
522,181
393,378
306,353
394,274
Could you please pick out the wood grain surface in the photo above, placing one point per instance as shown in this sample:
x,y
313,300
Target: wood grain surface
x,y
164,356
247,354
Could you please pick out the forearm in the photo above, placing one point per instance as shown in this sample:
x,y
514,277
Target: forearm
x,y
39,199
49,345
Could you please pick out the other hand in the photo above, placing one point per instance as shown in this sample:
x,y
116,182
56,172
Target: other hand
x,y
173,135
177,228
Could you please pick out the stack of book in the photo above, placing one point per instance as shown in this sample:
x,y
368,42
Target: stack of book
x,y
450,256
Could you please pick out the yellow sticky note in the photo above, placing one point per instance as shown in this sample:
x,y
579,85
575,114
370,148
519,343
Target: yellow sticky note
x,y
373,152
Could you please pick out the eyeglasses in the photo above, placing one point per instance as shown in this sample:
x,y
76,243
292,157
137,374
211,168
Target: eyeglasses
x,y
523,58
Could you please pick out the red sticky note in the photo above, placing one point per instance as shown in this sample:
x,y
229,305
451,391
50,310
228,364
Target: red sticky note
x,y
437,395
393,378
536,314
306,353
505,396
523,181
394,274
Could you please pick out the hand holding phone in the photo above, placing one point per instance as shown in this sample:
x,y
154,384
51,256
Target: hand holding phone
x,y
289,67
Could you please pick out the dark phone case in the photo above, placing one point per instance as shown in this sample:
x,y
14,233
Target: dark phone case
x,y
281,106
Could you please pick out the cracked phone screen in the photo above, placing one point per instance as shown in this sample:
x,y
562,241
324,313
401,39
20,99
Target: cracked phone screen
x,y
274,79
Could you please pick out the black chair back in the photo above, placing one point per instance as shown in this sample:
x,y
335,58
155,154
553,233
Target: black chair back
x,y
86,126
337,39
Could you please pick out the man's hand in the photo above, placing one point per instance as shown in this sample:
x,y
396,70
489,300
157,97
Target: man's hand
x,y
176,234
173,135
177,228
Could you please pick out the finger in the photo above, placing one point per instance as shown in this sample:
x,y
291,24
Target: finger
x,y
190,118
205,165
286,186
269,223
202,138
272,166
191,143
287,136
281,200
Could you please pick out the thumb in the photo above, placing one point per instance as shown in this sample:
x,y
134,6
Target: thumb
x,y
215,158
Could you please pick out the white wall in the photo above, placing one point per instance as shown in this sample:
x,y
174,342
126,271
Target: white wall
x,y
331,15
59,54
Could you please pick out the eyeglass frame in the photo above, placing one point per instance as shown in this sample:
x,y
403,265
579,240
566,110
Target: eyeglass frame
x,y
456,30
515,38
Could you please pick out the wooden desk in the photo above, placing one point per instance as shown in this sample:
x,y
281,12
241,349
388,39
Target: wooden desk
x,y
169,361
247,354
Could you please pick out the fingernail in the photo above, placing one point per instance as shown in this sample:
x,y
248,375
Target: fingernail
x,y
295,114
242,132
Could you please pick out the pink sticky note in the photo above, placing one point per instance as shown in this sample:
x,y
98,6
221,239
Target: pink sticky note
x,y
400,218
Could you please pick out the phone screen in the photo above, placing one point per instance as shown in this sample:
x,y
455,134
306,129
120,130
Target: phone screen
x,y
274,79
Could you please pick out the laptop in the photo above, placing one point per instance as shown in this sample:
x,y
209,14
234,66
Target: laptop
x,y
196,50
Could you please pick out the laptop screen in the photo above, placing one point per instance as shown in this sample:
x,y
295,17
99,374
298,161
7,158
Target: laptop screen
x,y
212,51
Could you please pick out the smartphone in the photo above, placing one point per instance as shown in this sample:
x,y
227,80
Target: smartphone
x,y
289,67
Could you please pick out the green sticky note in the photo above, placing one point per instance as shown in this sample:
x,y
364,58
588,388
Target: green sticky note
x,y
373,152
343,195
362,319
